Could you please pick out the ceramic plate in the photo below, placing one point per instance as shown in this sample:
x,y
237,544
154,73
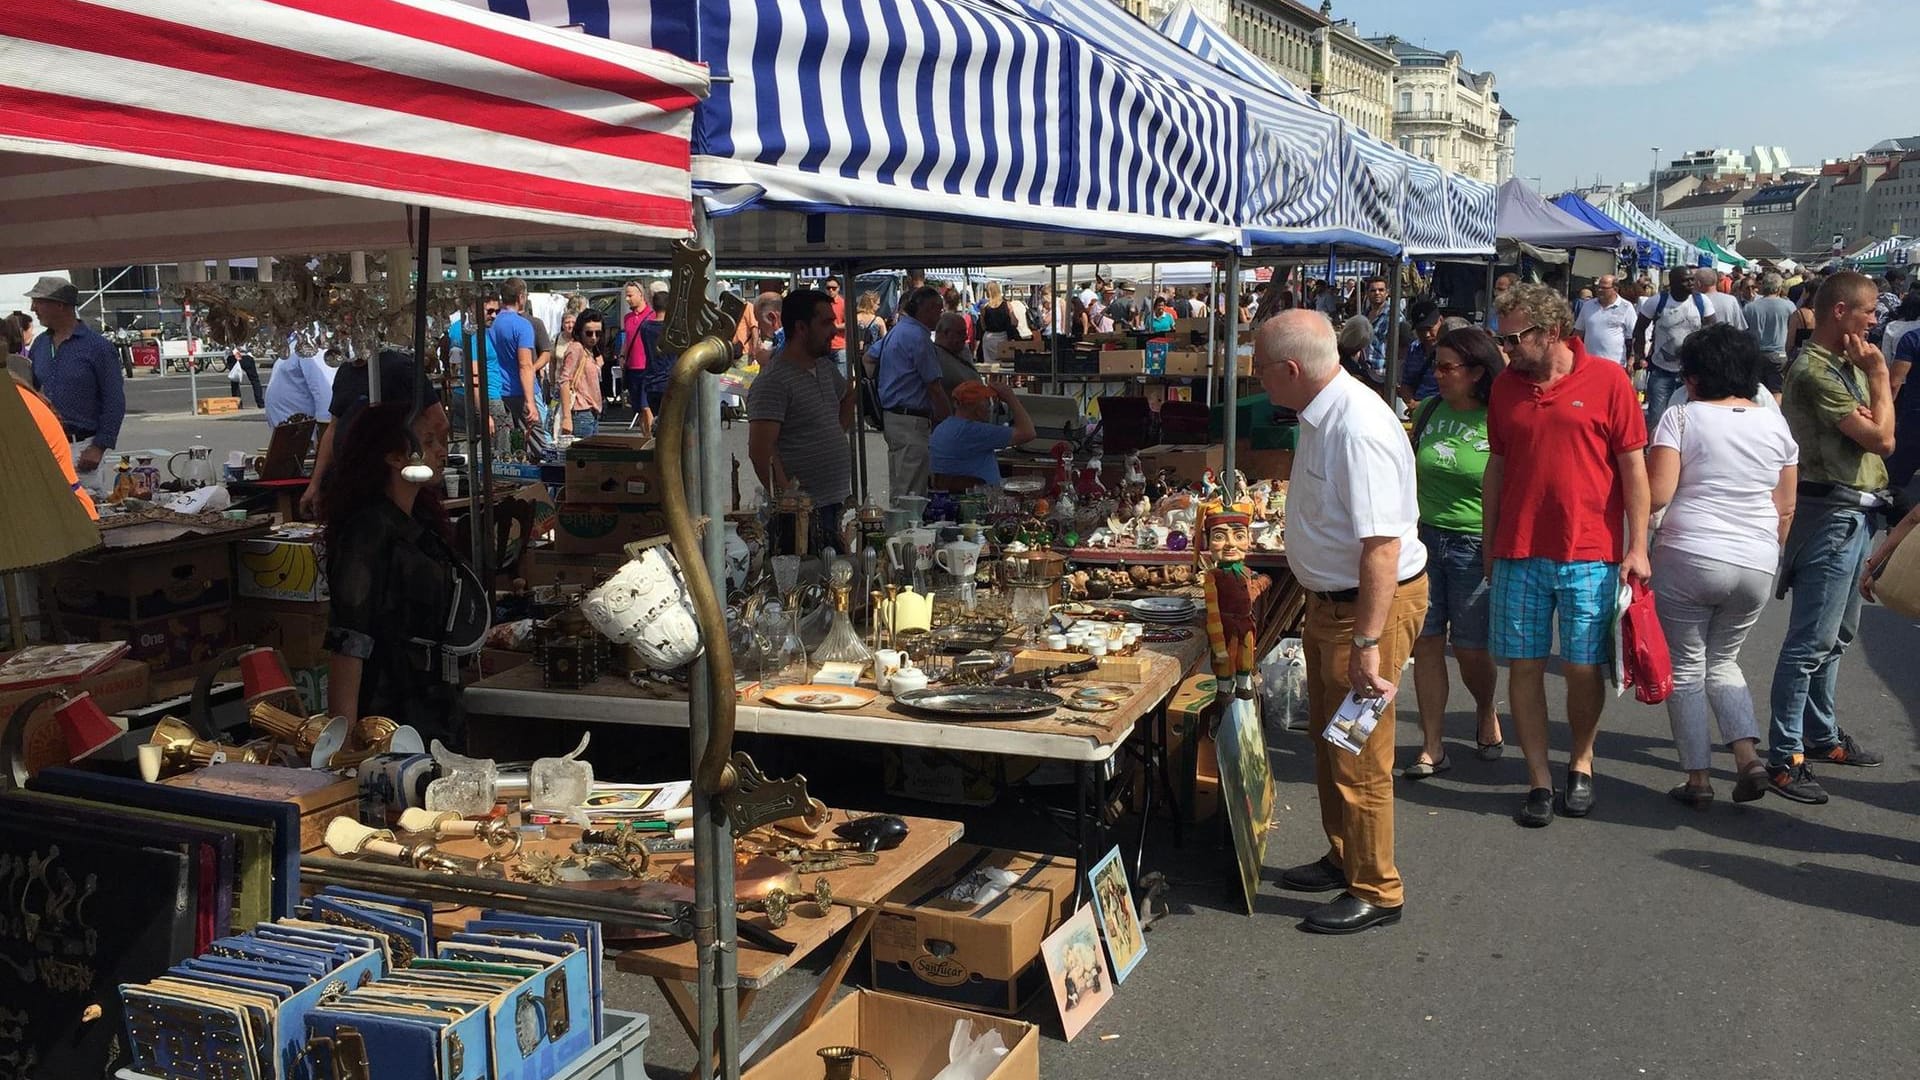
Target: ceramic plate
x,y
819,698
980,702
1163,606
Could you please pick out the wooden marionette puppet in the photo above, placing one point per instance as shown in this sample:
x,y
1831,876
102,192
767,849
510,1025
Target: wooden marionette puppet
x,y
1229,597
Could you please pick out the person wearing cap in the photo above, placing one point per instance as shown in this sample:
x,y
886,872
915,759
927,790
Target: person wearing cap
x,y
79,372
1353,543
1417,380
964,444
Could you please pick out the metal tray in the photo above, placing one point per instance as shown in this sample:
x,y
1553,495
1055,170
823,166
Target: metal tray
x,y
980,702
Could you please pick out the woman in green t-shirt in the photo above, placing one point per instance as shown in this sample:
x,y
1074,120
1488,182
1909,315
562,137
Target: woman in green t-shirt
x,y
1450,459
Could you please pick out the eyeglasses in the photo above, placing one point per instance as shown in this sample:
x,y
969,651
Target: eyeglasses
x,y
589,333
1448,369
1512,341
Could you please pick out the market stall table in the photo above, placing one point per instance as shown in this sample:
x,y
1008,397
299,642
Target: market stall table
x,y
1087,742
673,965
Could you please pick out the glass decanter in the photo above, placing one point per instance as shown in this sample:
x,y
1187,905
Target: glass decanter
x,y
842,641
788,664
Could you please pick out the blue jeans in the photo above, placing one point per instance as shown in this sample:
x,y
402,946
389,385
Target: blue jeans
x,y
1457,589
1661,386
586,423
1825,552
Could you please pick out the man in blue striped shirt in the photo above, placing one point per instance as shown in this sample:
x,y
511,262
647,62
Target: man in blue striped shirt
x,y
79,372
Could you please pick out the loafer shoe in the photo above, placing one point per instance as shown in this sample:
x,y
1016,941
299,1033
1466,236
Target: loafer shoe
x,y
1318,876
1537,811
1348,915
1579,798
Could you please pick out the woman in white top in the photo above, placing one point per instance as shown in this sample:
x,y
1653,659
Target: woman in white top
x,y
1724,469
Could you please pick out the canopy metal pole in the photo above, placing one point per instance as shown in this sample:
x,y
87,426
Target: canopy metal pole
x,y
1213,322
1232,376
420,318
479,419
1394,359
856,380
1487,317
719,1027
1053,354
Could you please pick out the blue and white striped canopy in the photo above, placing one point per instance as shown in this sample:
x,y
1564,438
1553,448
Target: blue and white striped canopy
x,y
1292,148
1882,251
1431,216
986,132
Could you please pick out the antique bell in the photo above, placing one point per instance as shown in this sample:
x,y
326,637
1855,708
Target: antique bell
x,y
839,1062
302,734
174,748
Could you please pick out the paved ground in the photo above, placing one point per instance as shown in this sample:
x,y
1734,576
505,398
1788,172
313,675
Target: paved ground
x,y
1769,940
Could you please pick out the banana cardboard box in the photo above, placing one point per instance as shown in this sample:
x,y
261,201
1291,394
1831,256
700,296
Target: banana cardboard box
x,y
290,567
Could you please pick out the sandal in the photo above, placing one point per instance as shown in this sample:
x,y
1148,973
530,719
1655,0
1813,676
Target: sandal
x,y
1697,797
1490,751
1420,770
1752,784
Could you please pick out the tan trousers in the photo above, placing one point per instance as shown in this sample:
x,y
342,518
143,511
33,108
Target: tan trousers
x,y
1356,790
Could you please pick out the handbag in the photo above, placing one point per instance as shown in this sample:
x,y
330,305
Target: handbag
x,y
1898,586
1648,665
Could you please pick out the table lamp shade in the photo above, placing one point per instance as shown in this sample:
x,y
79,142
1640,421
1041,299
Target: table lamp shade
x,y
263,675
45,522
86,726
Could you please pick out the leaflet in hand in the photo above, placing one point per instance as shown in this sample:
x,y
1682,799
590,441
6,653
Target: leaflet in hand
x,y
1355,720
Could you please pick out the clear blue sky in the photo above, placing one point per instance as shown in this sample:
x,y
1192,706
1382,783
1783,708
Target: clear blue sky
x,y
1595,85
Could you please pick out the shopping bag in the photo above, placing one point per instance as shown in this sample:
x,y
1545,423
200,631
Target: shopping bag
x,y
1649,667
1898,587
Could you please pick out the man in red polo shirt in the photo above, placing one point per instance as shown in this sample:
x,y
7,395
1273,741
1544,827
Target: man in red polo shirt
x,y
1565,515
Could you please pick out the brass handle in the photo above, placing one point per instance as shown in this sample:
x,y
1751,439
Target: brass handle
x,y
715,774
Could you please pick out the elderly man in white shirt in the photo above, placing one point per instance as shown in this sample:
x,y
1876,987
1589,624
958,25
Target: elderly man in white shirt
x,y
300,385
1353,543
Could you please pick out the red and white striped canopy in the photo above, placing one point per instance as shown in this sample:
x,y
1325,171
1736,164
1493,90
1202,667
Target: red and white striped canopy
x,y
167,130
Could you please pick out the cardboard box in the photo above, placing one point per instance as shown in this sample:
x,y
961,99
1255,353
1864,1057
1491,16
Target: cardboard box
x,y
1187,462
544,565
1263,464
280,568
1187,363
311,685
123,686
612,468
168,644
983,956
604,528
1123,362
299,631
910,1036
155,584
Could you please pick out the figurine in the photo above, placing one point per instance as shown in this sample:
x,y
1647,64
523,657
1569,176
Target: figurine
x,y
645,605
1136,478
1057,483
1229,600
1087,484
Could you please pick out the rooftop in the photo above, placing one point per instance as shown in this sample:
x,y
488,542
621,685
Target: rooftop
x,y
1705,199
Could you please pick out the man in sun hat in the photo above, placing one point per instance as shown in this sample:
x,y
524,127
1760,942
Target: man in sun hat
x,y
79,372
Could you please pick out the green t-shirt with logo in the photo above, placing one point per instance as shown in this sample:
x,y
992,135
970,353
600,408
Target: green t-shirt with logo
x,y
1822,389
1450,463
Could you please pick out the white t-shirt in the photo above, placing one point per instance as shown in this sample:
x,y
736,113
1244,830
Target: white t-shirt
x,y
1672,323
1606,327
1352,478
1730,462
1727,307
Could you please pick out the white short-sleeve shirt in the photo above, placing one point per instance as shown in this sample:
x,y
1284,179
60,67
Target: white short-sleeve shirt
x,y
1606,327
1730,462
1352,479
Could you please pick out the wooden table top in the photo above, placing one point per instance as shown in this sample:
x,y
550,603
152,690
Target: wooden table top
x,y
1063,735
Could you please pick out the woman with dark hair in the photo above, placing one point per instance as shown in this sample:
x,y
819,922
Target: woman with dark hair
x,y
578,378
1800,325
1078,322
1722,468
404,607
1450,463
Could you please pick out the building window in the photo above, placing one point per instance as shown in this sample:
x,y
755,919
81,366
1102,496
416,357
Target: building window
x,y
1406,101
1429,101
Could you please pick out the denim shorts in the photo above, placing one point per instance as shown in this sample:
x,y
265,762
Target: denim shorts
x,y
1528,594
1456,588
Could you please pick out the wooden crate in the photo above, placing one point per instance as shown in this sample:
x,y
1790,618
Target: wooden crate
x,y
212,406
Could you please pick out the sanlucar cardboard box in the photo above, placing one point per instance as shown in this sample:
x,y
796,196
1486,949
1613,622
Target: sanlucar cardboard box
x,y
932,939
910,1036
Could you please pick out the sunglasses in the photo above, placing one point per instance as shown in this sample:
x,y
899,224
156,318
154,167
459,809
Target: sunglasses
x,y
1512,341
590,333
490,312
1448,369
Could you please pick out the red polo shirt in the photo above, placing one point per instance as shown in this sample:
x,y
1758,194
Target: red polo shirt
x,y
1560,496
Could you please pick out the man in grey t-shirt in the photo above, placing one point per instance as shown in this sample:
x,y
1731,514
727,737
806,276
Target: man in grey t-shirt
x,y
1768,316
799,411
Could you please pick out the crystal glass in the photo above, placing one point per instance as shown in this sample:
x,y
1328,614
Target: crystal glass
x,y
842,642
1030,609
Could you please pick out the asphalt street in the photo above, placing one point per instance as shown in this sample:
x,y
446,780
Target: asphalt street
x,y
1649,940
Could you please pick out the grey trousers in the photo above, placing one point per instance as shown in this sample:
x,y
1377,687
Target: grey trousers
x,y
1706,609
906,454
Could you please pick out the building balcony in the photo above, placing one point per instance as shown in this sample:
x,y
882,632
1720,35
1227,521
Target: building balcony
x,y
1422,116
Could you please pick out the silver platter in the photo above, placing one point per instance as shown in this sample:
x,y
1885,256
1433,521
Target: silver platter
x,y
980,702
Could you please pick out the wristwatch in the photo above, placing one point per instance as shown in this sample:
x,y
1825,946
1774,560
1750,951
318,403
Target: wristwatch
x,y
1361,641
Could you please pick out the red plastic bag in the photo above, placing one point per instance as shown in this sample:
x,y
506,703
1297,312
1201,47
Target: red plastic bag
x,y
1648,666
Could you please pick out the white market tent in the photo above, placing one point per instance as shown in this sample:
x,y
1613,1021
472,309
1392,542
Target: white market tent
x,y
163,130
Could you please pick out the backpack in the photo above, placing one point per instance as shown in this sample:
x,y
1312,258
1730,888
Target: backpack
x,y
1427,409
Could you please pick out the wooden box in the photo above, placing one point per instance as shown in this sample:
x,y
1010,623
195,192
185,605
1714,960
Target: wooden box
x,y
1124,669
321,796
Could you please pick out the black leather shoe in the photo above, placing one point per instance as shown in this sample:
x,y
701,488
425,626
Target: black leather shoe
x,y
1318,876
1537,813
1348,915
1579,798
